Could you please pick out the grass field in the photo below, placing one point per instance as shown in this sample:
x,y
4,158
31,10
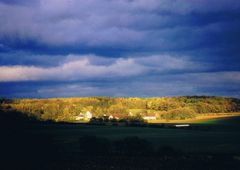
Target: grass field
x,y
220,136
213,144
200,118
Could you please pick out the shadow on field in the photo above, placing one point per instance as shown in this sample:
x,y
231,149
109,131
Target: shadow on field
x,y
131,146
136,153
24,149
20,149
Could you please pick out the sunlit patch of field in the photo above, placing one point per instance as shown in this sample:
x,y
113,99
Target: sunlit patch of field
x,y
201,118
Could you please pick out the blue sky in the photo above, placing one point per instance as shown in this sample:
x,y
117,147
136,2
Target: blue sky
x,y
66,48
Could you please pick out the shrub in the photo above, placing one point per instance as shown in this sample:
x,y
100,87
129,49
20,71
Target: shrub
x,y
179,114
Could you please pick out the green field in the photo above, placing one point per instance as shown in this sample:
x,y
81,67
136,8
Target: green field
x,y
214,136
32,144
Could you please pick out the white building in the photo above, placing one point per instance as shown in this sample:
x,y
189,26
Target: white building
x,y
88,115
149,117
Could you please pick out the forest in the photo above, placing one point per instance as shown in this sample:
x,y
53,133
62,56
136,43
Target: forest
x,y
67,109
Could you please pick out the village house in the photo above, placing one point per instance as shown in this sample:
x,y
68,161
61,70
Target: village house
x,y
110,117
150,116
86,116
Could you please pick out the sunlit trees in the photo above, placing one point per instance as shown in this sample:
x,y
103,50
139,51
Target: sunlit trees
x,y
117,109
162,104
179,114
66,109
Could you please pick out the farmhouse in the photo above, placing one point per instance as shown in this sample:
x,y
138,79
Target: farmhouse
x,y
86,116
150,116
110,117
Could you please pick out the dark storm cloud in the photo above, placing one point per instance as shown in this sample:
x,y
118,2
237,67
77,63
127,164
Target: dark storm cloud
x,y
119,24
76,41
220,84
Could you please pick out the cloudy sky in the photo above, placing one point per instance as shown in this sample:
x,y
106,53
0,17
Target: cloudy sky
x,y
119,48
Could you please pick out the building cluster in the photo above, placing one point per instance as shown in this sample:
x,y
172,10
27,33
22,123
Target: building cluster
x,y
88,115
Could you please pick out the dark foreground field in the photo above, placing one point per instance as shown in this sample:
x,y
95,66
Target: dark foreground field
x,y
39,145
